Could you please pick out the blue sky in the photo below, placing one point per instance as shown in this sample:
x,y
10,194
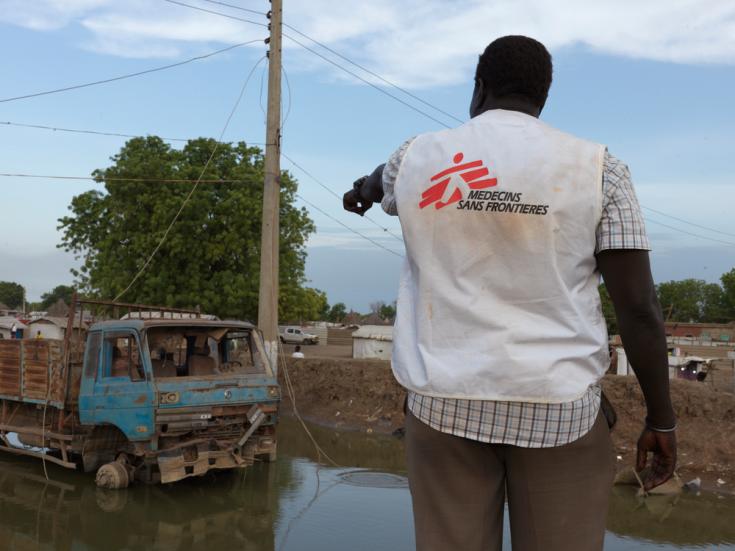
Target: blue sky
x,y
653,81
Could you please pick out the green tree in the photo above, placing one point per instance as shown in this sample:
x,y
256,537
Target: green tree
x,y
303,304
608,310
691,300
337,312
714,308
211,256
11,294
63,292
387,312
728,295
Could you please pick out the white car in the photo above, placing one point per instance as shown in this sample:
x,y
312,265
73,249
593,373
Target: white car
x,y
294,335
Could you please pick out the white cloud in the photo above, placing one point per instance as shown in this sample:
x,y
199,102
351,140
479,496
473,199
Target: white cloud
x,y
46,14
416,43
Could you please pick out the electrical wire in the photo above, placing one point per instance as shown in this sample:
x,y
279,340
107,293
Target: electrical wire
x,y
288,109
129,75
377,244
372,73
219,181
103,179
330,190
182,180
196,185
100,133
95,132
371,84
256,12
688,222
307,48
185,5
260,101
347,59
690,233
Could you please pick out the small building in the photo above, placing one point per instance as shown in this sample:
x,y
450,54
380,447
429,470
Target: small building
x,y
7,312
6,324
702,332
52,327
373,342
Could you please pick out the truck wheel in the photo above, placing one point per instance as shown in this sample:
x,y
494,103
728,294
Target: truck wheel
x,y
113,476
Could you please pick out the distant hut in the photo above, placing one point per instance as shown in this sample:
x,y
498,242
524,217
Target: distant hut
x,y
59,309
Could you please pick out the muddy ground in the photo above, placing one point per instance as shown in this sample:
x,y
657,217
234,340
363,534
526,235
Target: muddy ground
x,y
362,395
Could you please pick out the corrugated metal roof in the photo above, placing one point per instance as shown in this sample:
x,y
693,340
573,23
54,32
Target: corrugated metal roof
x,y
374,332
59,322
6,322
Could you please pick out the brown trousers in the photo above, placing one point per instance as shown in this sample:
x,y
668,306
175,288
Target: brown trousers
x,y
557,497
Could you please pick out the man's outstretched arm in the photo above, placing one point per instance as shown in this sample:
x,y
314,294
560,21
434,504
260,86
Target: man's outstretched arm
x,y
365,191
627,275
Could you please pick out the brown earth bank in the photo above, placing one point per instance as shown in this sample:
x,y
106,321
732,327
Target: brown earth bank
x,y
362,395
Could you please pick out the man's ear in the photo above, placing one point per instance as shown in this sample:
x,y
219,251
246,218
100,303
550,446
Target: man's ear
x,y
478,97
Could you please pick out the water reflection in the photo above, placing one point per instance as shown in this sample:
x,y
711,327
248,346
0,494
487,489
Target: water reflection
x,y
293,505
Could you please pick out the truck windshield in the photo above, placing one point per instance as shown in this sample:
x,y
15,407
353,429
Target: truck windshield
x,y
203,352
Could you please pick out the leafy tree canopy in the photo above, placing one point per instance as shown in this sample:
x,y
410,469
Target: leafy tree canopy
x,y
692,300
11,294
337,312
211,257
63,292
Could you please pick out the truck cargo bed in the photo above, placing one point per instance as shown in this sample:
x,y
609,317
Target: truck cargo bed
x,y
33,371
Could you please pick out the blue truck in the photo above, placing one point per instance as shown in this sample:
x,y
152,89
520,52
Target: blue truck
x,y
156,396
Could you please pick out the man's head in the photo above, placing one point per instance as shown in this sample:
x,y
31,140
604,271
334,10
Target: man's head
x,y
514,72
298,348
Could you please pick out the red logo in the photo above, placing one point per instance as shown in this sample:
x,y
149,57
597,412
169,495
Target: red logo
x,y
472,175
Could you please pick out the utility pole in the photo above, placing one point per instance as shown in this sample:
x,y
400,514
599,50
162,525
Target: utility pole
x,y
268,296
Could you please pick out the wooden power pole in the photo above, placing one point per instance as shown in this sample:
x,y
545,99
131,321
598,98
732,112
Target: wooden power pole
x,y
268,295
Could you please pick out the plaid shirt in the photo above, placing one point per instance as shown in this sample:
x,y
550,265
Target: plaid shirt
x,y
533,425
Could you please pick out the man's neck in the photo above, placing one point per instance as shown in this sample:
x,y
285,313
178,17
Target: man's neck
x,y
512,104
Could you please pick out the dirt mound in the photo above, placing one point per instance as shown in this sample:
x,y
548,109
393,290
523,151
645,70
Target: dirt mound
x,y
363,395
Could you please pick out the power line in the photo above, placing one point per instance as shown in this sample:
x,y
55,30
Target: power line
x,y
376,75
129,75
690,233
688,222
288,87
100,133
95,132
256,12
330,190
307,48
372,85
174,180
195,186
103,179
185,5
347,59
312,205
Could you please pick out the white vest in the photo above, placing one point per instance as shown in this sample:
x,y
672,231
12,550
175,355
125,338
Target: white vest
x,y
498,298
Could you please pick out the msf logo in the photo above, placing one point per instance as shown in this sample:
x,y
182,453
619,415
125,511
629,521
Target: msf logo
x,y
463,178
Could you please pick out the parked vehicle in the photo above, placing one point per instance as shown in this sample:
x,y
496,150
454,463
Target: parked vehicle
x,y
157,397
295,335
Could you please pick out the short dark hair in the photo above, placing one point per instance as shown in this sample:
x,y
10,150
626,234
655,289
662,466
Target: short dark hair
x,y
516,66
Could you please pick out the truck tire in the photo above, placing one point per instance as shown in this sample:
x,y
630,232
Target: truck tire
x,y
113,476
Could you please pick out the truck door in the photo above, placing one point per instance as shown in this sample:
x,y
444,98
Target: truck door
x,y
123,392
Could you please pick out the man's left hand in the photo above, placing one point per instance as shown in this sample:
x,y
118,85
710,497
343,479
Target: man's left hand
x,y
663,447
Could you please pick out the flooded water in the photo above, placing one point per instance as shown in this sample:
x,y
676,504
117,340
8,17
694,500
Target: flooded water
x,y
293,505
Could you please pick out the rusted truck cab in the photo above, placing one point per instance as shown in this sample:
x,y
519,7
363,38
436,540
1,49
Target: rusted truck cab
x,y
177,397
